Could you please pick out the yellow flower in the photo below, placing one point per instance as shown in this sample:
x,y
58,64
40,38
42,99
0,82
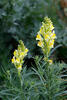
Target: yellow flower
x,y
13,60
51,27
38,37
18,60
53,35
46,37
41,29
15,52
22,53
51,44
40,44
19,66
50,62
26,50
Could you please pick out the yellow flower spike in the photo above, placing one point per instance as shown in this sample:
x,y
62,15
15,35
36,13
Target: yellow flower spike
x,y
40,44
19,55
50,62
38,37
46,36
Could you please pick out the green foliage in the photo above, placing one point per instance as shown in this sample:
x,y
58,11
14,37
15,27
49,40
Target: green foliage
x,y
40,83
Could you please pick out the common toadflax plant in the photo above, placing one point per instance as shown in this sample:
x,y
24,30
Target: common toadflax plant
x,y
18,55
49,73
46,37
44,80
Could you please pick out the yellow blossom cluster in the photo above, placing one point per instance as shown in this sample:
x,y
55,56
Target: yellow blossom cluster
x,y
46,36
19,55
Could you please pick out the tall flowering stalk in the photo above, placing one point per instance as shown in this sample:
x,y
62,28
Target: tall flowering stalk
x,y
46,37
19,54
49,75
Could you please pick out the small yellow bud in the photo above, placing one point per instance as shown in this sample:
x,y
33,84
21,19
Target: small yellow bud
x,y
26,50
19,68
50,62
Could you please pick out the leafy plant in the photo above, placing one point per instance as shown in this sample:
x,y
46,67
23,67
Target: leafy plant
x,y
45,81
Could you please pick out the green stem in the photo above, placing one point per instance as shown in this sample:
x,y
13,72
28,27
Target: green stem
x,y
48,82
19,75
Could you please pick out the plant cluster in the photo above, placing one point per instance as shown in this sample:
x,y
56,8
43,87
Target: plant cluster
x,y
45,82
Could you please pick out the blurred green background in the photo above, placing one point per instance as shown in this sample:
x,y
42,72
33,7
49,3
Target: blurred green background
x,y
21,19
